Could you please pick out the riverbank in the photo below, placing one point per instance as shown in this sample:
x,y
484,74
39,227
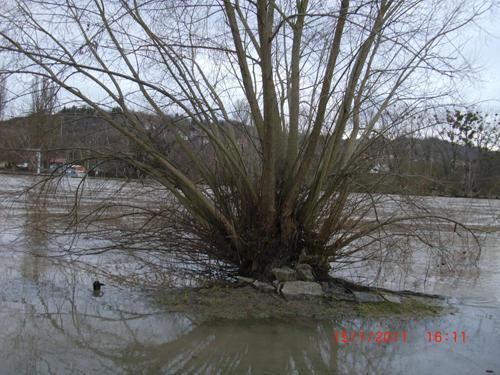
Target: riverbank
x,y
242,302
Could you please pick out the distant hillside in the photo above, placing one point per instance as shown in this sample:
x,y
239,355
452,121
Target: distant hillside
x,y
78,135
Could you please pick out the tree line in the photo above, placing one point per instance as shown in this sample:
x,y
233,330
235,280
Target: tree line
x,y
460,159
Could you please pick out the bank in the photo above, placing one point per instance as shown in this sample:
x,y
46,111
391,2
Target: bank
x,y
247,300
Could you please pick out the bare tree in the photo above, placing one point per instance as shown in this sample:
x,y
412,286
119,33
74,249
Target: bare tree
x,y
43,96
3,95
473,140
43,128
284,99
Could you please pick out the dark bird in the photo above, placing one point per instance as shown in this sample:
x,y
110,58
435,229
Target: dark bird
x,y
97,285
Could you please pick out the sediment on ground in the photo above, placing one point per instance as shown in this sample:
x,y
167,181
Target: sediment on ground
x,y
254,300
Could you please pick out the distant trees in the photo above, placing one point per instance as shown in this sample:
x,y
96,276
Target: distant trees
x,y
473,156
43,130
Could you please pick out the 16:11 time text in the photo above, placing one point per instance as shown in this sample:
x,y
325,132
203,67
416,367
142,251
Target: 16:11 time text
x,y
443,336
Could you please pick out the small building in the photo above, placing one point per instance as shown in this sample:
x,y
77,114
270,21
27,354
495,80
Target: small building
x,y
56,163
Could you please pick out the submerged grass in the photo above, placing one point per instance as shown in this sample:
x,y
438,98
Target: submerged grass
x,y
247,304
408,308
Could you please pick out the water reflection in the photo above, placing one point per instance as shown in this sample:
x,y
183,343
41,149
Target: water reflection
x,y
97,293
53,322
50,329
55,326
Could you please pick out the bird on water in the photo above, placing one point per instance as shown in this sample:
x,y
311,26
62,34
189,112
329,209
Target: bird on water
x,y
97,285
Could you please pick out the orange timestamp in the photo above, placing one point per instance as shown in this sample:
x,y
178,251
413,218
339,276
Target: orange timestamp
x,y
444,336
376,336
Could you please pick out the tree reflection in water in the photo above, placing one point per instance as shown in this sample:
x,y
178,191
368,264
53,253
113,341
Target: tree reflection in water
x,y
50,323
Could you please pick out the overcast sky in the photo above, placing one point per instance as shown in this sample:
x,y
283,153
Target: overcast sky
x,y
487,49
485,46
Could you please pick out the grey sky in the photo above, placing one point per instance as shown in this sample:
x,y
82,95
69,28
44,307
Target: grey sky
x,y
486,47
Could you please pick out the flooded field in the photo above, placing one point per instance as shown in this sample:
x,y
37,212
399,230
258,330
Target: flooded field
x,y
52,323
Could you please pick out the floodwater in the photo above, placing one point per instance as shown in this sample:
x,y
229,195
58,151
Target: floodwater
x,y
52,323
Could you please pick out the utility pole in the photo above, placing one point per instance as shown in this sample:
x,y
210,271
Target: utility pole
x,y
38,158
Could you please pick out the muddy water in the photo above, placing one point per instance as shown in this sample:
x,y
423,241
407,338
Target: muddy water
x,y
52,323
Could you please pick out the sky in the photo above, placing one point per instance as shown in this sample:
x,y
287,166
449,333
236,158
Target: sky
x,y
486,48
484,91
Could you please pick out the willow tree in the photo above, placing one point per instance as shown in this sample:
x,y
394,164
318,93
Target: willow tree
x,y
287,97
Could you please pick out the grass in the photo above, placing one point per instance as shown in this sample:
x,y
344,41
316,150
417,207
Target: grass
x,y
247,304
386,308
